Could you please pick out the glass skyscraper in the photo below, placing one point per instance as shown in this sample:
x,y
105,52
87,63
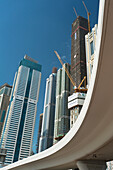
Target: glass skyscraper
x,y
39,132
62,114
47,132
17,133
5,91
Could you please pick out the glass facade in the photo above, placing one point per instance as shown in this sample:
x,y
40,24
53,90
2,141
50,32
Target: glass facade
x,y
62,114
19,124
39,132
5,92
46,139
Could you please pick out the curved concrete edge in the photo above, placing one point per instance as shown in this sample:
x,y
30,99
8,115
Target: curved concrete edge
x,y
92,165
46,158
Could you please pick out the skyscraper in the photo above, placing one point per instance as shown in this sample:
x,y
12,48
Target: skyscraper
x,y
78,66
5,91
90,43
78,56
39,132
62,114
47,132
17,133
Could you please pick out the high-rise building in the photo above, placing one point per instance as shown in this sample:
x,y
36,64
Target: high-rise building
x,y
62,114
17,133
78,66
47,132
39,132
90,43
5,91
78,56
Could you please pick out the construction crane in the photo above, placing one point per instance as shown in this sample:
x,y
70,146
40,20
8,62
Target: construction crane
x,y
77,89
88,14
66,70
75,12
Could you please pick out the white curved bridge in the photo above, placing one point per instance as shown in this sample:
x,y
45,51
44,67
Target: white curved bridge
x,y
89,144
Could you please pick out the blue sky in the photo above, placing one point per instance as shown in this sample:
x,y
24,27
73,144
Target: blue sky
x,y
37,28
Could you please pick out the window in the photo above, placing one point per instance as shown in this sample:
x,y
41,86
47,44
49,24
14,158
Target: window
x,y
92,48
48,91
75,36
3,115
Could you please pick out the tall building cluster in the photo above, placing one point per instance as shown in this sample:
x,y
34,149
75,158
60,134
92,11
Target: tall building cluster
x,y
68,102
68,99
62,104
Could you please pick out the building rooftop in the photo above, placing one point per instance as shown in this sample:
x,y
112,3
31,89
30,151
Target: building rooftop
x,y
54,70
30,59
79,18
31,63
5,85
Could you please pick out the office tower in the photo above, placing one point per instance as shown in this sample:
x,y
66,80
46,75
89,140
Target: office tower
x,y
17,133
5,91
78,66
90,43
78,57
62,114
39,132
47,132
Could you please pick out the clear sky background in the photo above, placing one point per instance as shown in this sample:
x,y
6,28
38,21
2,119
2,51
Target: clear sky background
x,y
37,28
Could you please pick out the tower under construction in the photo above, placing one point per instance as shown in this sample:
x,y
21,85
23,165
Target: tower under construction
x,y
78,66
78,56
